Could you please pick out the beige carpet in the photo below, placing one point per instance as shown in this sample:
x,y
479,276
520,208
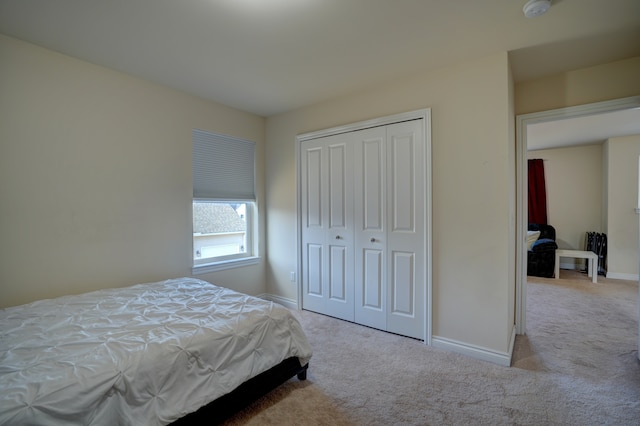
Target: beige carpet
x,y
576,366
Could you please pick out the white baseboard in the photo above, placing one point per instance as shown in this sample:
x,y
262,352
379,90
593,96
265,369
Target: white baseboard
x,y
612,275
478,352
287,303
619,276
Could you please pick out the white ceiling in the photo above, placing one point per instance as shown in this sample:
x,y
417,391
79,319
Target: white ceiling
x,y
271,56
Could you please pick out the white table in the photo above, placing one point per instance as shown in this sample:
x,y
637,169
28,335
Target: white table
x,y
579,254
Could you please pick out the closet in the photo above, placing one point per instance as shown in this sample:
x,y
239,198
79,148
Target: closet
x,y
363,231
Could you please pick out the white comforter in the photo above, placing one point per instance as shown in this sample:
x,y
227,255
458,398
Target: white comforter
x,y
142,355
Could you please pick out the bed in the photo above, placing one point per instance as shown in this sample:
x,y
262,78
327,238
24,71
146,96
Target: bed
x,y
148,354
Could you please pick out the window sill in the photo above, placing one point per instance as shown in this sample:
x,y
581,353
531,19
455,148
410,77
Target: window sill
x,y
227,264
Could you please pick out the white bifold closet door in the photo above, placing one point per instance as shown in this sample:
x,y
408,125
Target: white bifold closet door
x,y
327,223
389,226
363,227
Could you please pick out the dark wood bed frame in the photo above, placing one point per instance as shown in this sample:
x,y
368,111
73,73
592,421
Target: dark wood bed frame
x,y
224,407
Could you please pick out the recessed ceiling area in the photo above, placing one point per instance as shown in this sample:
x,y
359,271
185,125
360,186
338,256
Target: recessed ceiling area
x,y
585,130
269,57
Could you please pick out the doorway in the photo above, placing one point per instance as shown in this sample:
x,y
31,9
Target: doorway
x,y
522,122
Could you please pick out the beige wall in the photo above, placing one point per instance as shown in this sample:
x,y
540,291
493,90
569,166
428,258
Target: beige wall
x,y
472,150
574,181
587,85
622,194
95,177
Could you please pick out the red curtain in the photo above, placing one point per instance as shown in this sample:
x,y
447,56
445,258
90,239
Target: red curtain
x,y
537,193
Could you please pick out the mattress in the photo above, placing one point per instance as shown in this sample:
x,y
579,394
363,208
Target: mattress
x,y
147,354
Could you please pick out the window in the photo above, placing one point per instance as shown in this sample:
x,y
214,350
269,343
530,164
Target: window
x,y
224,208
220,230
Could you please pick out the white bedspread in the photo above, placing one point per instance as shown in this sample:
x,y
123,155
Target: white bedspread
x,y
142,355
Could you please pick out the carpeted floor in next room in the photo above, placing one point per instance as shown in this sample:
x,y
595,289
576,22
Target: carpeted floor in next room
x,y
577,365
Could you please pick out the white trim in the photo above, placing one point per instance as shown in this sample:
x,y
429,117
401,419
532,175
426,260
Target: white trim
x,y
522,121
637,209
621,276
478,352
286,302
360,125
426,131
298,228
512,343
521,224
227,264
421,114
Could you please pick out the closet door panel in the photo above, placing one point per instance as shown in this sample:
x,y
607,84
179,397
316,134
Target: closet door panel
x,y
373,291
406,231
370,310
370,227
314,270
402,175
403,283
339,235
337,279
372,208
338,182
313,188
340,298
313,178
327,226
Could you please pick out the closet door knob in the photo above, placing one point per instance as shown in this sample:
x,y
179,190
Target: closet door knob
x,y
373,240
338,237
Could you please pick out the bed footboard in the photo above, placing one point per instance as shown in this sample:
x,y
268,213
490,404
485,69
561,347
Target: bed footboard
x,y
224,407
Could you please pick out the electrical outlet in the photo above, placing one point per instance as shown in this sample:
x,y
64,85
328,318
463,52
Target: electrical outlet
x,y
292,276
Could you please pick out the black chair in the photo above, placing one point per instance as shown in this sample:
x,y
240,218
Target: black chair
x,y
541,258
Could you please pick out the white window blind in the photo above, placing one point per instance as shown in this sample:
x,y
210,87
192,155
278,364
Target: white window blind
x,y
223,167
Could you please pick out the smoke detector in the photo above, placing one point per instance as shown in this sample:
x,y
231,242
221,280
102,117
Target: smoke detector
x,y
535,8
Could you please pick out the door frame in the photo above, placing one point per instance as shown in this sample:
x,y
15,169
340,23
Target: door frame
x,y
421,114
522,121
